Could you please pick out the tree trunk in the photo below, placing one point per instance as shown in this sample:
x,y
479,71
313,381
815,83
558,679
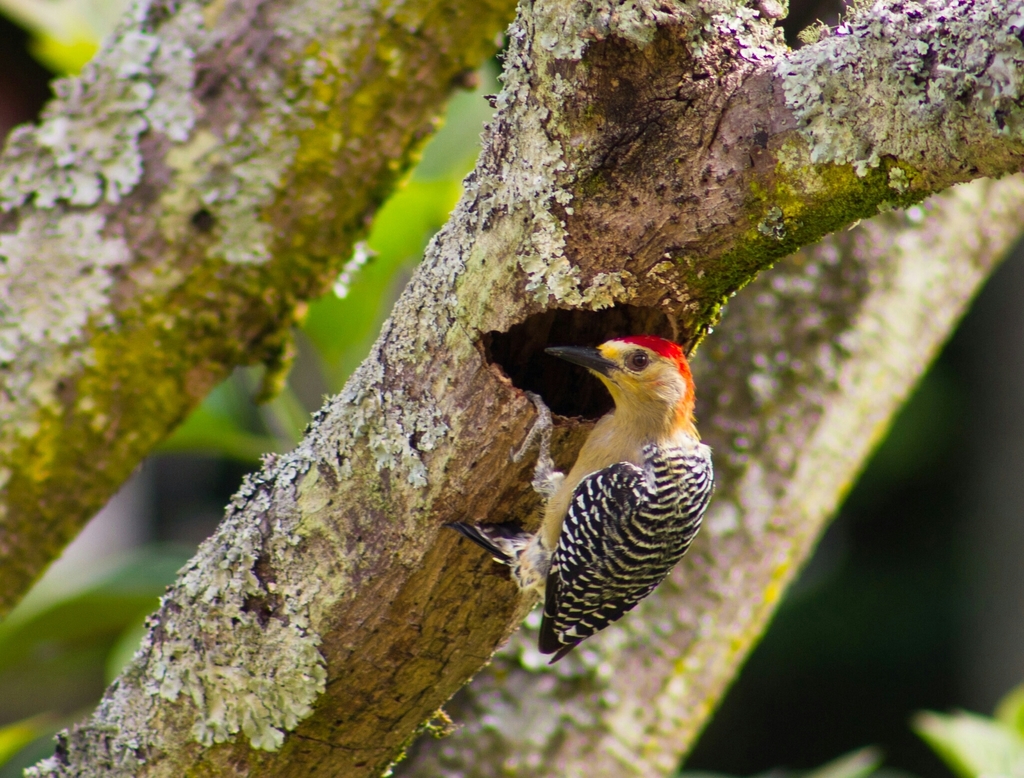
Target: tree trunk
x,y
645,163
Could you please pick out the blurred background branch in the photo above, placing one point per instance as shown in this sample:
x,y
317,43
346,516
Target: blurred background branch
x,y
201,179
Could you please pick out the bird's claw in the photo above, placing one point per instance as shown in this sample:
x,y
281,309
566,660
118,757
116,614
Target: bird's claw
x,y
546,479
541,427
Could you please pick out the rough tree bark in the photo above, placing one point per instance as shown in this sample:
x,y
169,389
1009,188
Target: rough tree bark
x,y
646,162
209,172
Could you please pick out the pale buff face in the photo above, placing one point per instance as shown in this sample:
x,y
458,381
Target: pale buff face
x,y
642,373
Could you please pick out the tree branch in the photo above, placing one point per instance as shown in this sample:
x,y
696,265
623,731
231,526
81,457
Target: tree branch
x,y
208,173
624,187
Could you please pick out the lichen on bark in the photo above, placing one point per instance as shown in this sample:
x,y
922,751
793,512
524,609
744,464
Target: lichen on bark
x,y
914,81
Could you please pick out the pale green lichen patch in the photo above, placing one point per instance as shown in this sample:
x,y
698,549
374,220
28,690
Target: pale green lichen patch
x,y
607,289
899,180
772,224
914,81
78,264
743,22
535,181
45,306
637,21
85,148
90,147
236,174
263,680
397,428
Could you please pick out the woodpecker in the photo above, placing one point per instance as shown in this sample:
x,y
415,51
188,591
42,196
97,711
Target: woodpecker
x,y
625,514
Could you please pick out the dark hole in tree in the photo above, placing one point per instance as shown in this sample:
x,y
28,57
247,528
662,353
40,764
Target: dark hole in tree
x,y
203,220
567,389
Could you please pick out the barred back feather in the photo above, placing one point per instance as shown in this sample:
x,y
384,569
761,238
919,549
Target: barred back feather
x,y
626,528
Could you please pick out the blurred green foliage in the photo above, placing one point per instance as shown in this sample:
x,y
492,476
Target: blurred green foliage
x,y
974,746
65,33
922,431
16,736
68,639
857,764
55,626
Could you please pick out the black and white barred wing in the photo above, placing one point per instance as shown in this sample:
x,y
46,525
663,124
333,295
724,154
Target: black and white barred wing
x,y
624,532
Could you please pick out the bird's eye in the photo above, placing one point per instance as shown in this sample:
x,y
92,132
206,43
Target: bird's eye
x,y
638,360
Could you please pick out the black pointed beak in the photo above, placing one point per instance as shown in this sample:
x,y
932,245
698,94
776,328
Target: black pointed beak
x,y
589,358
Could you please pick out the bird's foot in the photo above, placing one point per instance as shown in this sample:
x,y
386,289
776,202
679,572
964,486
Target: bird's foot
x,y
546,479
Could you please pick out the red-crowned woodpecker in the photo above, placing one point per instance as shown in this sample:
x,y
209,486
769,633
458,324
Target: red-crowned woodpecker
x,y
616,525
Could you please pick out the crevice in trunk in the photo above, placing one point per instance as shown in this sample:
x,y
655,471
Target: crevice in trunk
x,y
568,390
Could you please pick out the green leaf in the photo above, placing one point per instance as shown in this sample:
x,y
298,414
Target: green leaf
x,y
857,764
342,328
16,736
65,33
452,152
225,424
124,649
285,417
55,645
205,431
58,634
1010,710
973,745
66,57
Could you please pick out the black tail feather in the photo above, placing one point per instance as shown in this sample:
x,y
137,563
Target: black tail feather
x,y
483,536
563,651
549,642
